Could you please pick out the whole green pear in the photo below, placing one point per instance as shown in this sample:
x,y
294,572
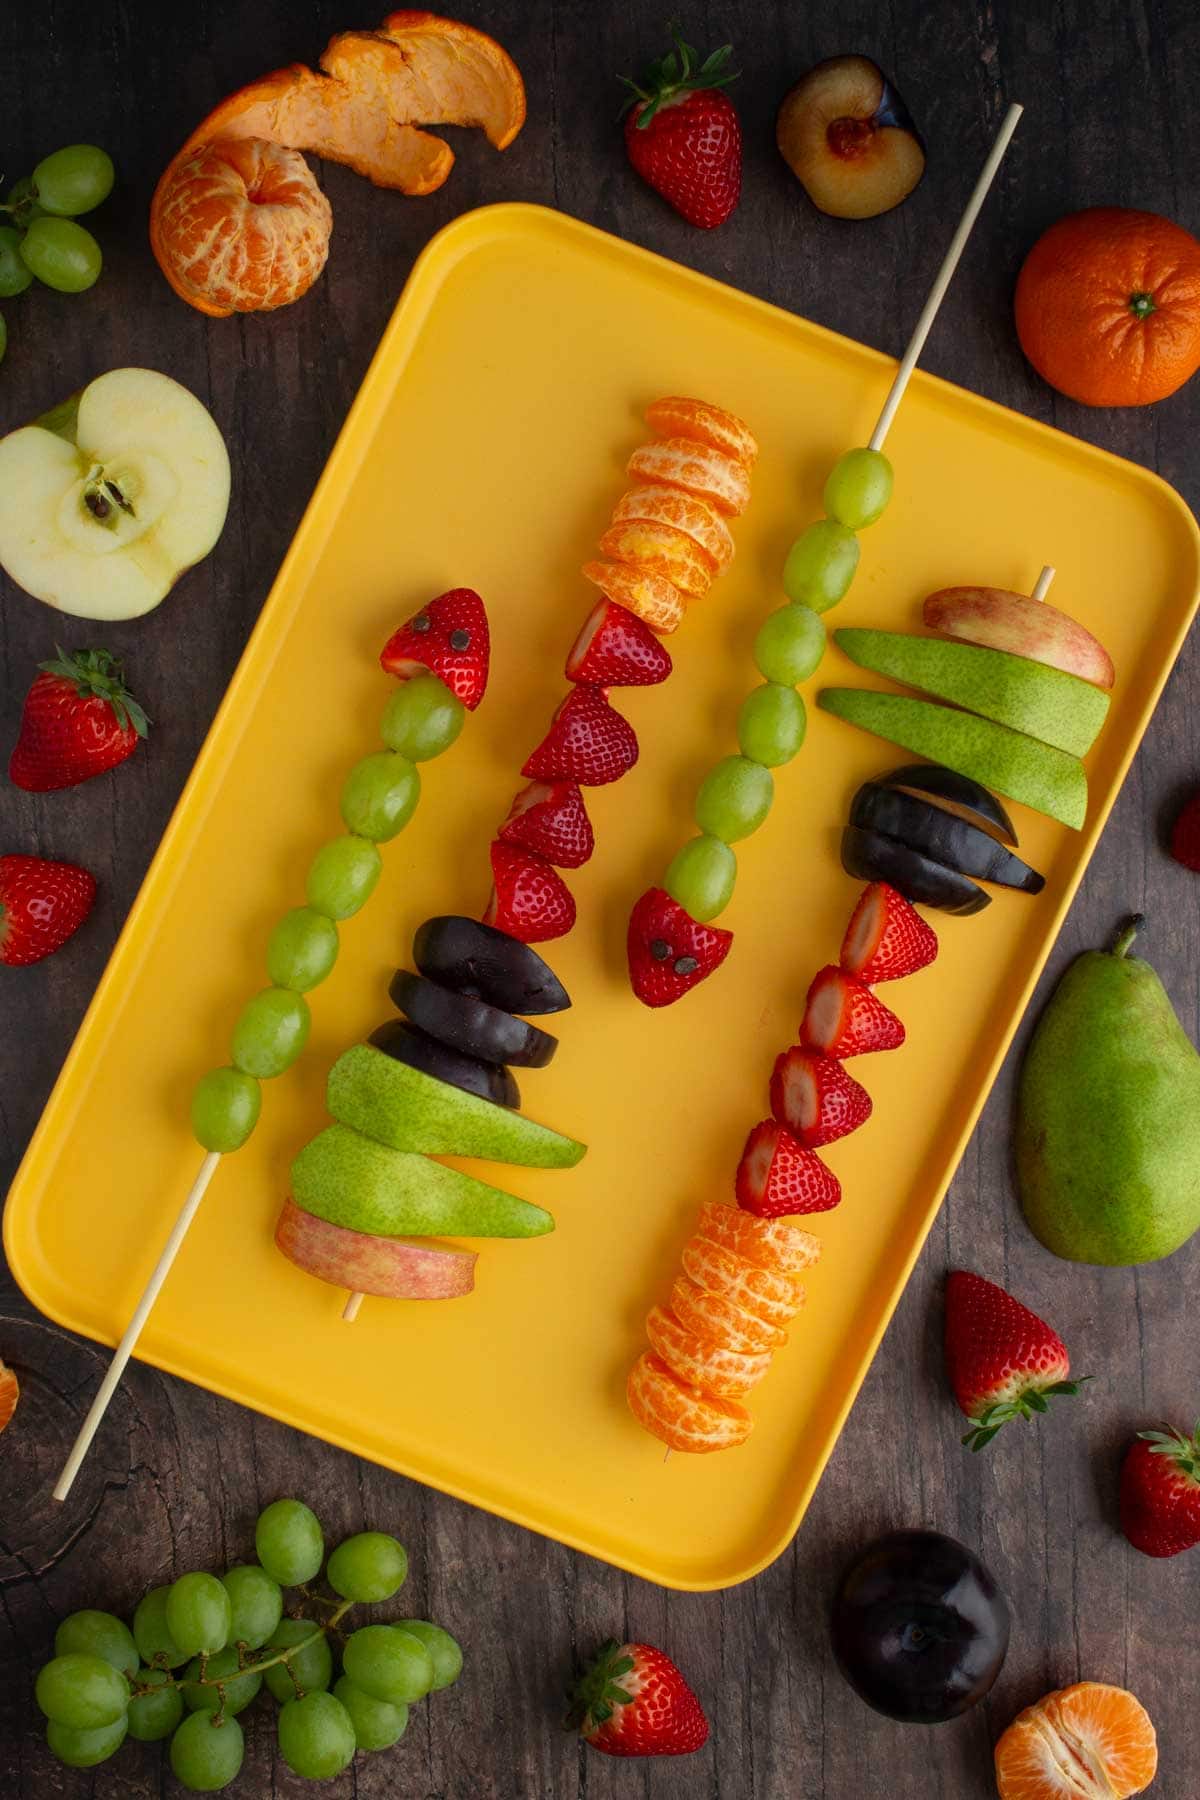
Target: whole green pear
x,y
1108,1115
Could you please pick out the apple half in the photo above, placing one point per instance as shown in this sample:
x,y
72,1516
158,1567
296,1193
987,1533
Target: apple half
x,y
109,498
1000,620
388,1267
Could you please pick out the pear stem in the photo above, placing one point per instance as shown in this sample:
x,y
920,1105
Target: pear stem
x,y
1127,934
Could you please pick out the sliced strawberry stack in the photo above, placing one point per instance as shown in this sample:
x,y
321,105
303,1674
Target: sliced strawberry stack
x,y
816,1098
530,900
588,742
549,818
844,1018
778,1175
886,937
615,649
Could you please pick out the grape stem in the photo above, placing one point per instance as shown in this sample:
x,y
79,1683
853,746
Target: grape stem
x,y
258,1668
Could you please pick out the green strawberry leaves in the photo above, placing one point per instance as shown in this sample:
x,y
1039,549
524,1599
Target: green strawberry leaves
x,y
599,1689
1034,1400
99,675
681,71
1183,1451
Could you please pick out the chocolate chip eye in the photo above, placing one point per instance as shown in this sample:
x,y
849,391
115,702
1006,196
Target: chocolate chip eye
x,y
460,640
686,965
660,949
422,622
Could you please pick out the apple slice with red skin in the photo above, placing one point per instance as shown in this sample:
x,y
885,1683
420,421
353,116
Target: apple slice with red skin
x,y
1000,620
391,1268
849,139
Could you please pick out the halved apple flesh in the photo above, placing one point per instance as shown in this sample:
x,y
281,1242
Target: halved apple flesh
x,y
104,503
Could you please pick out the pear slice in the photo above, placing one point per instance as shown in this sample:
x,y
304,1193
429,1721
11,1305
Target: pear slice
x,y
105,501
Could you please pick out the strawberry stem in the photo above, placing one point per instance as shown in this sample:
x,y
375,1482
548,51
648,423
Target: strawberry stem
x,y
677,73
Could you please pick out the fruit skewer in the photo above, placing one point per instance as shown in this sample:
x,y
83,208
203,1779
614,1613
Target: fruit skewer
x,y
672,944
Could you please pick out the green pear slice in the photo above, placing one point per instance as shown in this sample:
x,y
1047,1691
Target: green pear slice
x,y
1047,704
410,1110
109,498
350,1180
1047,780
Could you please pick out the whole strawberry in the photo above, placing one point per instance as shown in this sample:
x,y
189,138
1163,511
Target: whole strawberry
x,y
632,1701
1003,1361
682,134
79,720
1160,1492
1185,835
41,904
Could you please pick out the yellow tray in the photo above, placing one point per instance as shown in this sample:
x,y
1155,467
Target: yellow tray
x,y
486,449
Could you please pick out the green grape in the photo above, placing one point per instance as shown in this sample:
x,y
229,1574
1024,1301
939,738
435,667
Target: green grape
x,y
206,1755
289,1542
820,565
377,1726
790,644
98,1634
388,1664
371,1566
62,254
771,724
74,180
257,1604
734,799
151,1634
15,277
444,1650
316,1736
859,488
311,1668
271,1031
199,1613
82,1691
240,1690
380,795
422,718
225,1108
21,204
153,1717
701,877
85,1749
302,949
342,876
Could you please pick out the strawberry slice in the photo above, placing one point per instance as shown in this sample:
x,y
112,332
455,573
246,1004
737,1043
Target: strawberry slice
x,y
530,900
549,818
669,951
816,1098
844,1018
615,649
777,1175
886,937
448,638
588,742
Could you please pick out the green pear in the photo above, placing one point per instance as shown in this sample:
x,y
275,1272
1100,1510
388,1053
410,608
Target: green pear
x,y
1108,1116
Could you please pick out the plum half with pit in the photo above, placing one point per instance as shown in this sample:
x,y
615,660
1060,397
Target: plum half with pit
x,y
849,139
920,1628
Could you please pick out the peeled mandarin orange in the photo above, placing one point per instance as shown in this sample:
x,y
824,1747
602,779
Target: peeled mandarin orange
x,y
696,469
767,1294
241,227
701,1362
703,424
686,512
774,1243
656,601
717,1317
680,1415
10,1393
1087,1742
661,550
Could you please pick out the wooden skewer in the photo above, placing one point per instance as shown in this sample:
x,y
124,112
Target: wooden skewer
x,y
937,292
350,1310
1041,586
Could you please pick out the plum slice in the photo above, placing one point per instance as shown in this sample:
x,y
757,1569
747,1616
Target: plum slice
x,y
870,856
490,1081
473,958
941,835
849,139
472,1026
956,790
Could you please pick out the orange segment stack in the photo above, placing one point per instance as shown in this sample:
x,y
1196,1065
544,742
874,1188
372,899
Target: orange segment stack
x,y
1087,1742
684,1417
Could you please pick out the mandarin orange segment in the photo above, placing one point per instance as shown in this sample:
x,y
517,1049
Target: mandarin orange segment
x,y
686,512
661,550
680,1415
700,1361
656,601
767,1294
775,1243
696,469
703,424
1090,1741
10,1393
716,1316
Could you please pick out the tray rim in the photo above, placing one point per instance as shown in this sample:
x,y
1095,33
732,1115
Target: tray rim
x,y
407,316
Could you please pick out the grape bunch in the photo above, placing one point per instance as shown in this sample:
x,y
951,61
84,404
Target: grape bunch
x,y
203,1649
39,236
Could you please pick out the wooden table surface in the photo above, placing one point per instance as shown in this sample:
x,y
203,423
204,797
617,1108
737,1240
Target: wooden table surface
x,y
178,1475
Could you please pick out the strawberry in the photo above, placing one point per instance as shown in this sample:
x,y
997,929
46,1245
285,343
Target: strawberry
x,y
41,904
1002,1360
682,134
1160,1492
886,937
530,900
844,1018
79,720
777,1175
1185,836
450,639
615,649
632,1701
669,951
815,1097
551,819
588,742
